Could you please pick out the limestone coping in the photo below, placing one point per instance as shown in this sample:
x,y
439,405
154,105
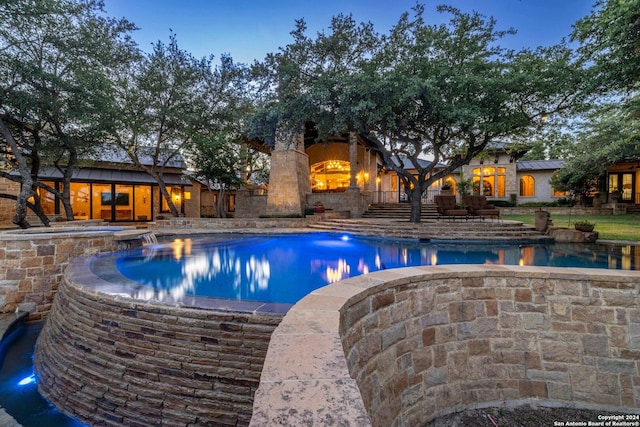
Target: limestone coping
x,y
40,233
305,378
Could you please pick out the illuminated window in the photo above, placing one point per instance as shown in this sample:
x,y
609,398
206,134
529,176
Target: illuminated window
x,y
527,186
331,175
452,184
47,199
176,197
558,193
491,180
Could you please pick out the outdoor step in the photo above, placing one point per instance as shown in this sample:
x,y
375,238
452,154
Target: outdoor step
x,y
437,230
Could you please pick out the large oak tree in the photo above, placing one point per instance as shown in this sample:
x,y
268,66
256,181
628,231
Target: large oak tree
x,y
440,92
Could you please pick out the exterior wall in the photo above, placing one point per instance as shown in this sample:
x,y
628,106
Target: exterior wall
x,y
499,160
215,224
192,206
250,204
7,206
402,347
543,188
108,360
32,264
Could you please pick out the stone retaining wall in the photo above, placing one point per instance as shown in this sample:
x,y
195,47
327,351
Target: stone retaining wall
x,y
424,342
230,223
32,264
113,361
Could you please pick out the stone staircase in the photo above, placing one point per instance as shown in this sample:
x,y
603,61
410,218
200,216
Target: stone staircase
x,y
459,230
399,211
633,208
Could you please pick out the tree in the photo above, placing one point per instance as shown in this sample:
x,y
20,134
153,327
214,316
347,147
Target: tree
x,y
609,39
309,80
441,92
171,101
218,163
56,61
612,135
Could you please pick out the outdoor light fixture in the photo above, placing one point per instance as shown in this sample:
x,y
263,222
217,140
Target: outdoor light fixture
x,y
544,117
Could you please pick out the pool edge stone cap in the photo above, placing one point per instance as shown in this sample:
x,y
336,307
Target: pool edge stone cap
x,y
539,329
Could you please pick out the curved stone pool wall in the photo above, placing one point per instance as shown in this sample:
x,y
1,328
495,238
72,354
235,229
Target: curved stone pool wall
x,y
108,359
402,347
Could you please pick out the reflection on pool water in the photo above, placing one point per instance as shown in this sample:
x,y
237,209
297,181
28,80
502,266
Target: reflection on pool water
x,y
285,268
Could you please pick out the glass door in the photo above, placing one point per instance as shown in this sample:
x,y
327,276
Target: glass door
x,y
621,186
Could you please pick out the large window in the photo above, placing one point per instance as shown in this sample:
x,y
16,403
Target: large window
x,y
100,208
109,202
142,198
489,181
331,175
175,193
623,184
47,199
527,186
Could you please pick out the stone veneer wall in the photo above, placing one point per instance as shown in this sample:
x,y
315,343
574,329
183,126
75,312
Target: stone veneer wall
x,y
114,361
32,264
215,224
424,342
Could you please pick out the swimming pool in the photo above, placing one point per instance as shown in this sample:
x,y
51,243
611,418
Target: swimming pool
x,y
285,268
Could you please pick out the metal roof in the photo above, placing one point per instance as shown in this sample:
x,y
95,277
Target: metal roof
x,y
115,154
539,165
116,176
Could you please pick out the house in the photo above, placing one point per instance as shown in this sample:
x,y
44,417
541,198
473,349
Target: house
x,y
113,189
534,177
340,174
497,174
344,174
305,172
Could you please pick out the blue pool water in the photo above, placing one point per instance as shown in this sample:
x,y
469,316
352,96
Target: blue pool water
x,y
18,389
281,268
285,268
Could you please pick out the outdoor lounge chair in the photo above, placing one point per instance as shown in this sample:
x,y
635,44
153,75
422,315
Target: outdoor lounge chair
x,y
478,206
446,206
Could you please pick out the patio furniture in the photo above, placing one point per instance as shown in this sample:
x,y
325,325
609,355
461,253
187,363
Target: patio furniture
x,y
447,207
478,206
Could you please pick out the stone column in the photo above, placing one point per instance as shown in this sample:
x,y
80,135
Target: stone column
x,y
289,178
352,196
353,159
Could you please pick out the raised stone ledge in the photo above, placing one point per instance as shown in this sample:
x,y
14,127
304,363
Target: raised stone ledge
x,y
113,360
402,347
35,259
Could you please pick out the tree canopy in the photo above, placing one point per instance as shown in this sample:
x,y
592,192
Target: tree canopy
x,y
56,62
431,95
440,92
610,40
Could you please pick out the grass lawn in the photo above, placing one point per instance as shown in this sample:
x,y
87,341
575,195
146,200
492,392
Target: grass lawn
x,y
609,227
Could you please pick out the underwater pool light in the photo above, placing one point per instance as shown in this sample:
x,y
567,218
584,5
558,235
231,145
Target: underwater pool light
x,y
345,238
28,380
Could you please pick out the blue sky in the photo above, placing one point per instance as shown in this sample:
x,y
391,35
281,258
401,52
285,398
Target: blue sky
x,y
249,29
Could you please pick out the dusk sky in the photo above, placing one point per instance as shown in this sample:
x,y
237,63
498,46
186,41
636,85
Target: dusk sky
x,y
249,29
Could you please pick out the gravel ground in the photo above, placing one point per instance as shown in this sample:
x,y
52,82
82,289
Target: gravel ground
x,y
527,416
